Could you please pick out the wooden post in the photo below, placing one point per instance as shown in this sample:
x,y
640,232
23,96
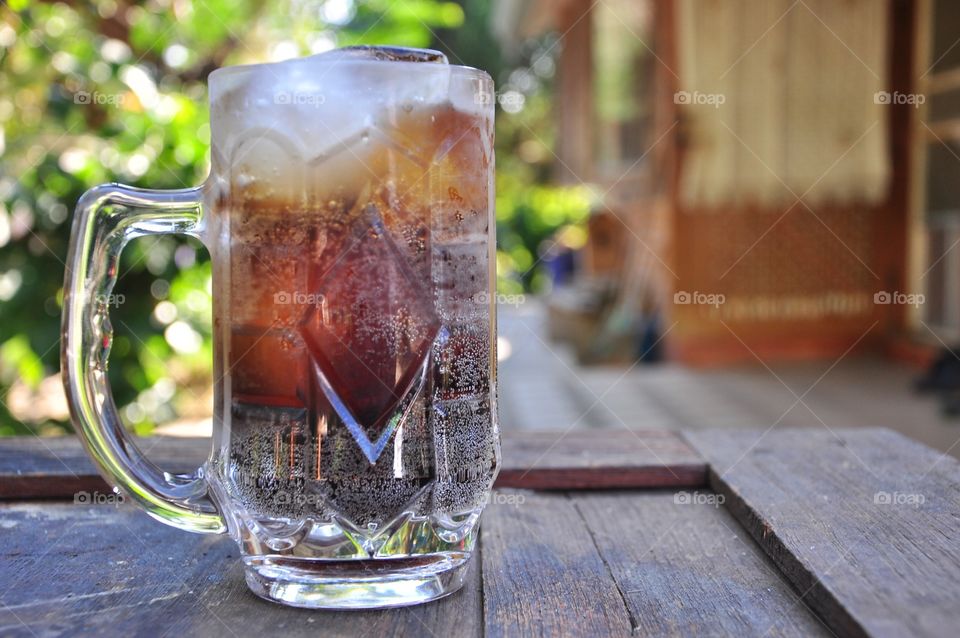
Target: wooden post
x,y
575,94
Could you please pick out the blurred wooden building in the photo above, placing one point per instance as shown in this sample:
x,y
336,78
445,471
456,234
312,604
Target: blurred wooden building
x,y
786,174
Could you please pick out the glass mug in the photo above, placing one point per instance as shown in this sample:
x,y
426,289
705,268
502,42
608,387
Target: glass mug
x,y
348,214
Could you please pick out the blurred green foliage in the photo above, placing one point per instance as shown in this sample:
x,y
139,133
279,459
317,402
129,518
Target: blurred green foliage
x,y
115,91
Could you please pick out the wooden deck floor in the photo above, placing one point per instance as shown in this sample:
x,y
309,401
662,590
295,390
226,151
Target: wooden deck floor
x,y
541,387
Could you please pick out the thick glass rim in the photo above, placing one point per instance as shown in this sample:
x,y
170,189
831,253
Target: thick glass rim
x,y
318,59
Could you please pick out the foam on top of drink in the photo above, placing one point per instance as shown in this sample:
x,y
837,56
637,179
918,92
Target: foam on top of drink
x,y
272,120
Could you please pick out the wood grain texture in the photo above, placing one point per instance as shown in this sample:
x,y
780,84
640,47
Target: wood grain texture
x,y
863,522
58,467
112,571
541,574
32,467
598,459
686,568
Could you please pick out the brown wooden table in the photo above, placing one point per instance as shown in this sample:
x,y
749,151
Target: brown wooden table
x,y
594,533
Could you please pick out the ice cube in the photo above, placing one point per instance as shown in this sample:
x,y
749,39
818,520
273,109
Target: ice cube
x,y
325,105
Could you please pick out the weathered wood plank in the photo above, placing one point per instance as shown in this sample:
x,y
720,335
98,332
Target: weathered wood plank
x,y
112,571
862,521
541,574
32,467
598,459
58,467
686,568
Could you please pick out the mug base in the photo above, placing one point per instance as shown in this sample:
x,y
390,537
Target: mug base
x,y
356,584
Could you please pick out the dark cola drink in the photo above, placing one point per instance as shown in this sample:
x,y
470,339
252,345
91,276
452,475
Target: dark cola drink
x,y
358,353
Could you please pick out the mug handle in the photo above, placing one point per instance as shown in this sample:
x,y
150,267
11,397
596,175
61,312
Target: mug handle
x,y
106,218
